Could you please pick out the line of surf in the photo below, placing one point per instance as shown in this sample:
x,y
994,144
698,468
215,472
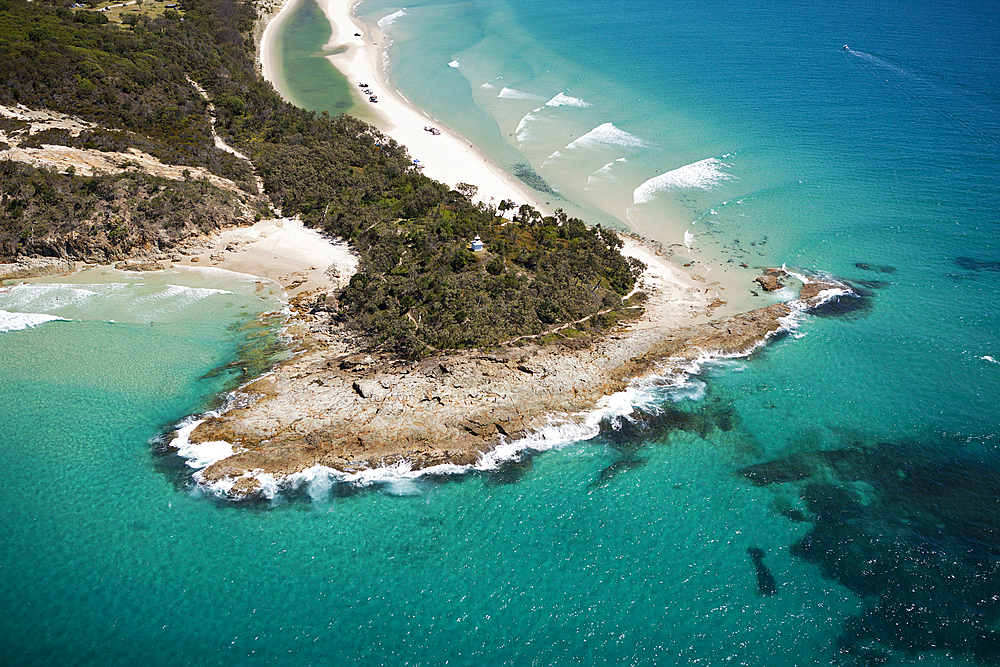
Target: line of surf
x,y
678,380
362,58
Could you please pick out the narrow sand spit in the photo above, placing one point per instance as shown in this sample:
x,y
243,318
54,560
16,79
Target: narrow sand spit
x,y
446,157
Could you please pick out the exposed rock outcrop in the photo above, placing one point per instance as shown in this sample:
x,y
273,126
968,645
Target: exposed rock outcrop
x,y
335,407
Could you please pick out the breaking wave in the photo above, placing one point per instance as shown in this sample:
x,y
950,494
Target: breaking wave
x,y
18,321
507,93
608,135
44,297
606,138
199,455
563,100
605,175
387,21
704,174
529,123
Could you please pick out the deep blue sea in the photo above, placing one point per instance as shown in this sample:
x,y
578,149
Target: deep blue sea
x,y
858,454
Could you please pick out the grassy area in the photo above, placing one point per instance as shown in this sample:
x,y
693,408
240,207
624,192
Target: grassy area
x,y
118,11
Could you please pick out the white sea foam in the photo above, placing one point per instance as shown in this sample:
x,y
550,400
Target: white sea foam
x,y
989,359
454,63
18,321
270,486
180,297
199,455
398,479
704,174
387,21
692,389
564,100
38,298
608,135
508,93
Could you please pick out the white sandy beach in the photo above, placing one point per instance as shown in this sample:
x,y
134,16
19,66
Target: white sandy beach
x,y
283,250
446,157
675,296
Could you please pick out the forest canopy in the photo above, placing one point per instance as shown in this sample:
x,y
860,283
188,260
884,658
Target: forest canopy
x,y
420,287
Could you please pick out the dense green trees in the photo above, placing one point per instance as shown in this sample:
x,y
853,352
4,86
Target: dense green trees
x,y
423,289
420,287
103,218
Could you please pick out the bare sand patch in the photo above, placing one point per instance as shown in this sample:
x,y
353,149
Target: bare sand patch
x,y
284,250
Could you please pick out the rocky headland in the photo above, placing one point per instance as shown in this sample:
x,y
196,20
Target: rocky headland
x,y
332,405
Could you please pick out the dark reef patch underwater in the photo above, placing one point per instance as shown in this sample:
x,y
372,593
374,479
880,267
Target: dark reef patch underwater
x,y
913,528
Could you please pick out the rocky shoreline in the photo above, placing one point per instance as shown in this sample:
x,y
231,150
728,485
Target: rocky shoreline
x,y
333,406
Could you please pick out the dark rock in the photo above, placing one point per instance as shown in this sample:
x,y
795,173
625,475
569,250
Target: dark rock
x,y
616,468
766,585
975,264
842,305
769,283
139,266
509,472
354,360
788,469
629,432
864,266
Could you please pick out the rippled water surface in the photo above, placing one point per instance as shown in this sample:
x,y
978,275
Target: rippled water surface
x,y
858,453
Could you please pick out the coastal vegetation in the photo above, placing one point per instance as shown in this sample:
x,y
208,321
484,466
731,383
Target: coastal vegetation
x,y
103,218
420,288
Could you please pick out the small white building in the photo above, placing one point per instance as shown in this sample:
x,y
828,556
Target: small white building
x,y
477,244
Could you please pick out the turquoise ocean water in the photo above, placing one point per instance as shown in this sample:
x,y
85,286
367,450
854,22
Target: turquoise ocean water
x,y
749,127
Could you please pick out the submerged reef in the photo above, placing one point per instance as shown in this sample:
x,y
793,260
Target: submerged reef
x,y
912,528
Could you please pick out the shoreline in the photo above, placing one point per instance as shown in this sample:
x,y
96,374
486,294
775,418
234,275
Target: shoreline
x,y
264,29
358,50
353,413
299,259
446,157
